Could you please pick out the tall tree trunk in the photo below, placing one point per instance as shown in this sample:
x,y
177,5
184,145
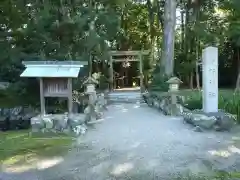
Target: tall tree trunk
x,y
169,37
197,59
182,24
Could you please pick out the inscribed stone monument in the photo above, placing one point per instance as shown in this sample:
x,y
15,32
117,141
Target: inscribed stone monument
x,y
210,79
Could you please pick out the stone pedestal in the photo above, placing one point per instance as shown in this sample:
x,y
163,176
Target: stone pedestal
x,y
210,79
174,83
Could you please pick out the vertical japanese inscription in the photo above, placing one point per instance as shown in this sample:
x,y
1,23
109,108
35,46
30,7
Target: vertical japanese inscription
x,y
210,79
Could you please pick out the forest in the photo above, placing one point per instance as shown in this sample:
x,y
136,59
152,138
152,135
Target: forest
x,y
174,31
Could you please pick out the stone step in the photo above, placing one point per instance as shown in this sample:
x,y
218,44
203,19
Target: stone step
x,y
124,97
125,100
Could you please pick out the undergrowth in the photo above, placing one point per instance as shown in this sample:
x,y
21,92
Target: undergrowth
x,y
228,101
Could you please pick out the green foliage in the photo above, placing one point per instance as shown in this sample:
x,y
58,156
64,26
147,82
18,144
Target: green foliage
x,y
194,101
228,101
231,104
159,83
103,82
17,145
21,93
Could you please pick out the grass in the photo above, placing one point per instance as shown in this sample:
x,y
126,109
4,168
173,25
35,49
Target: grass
x,y
19,146
228,100
15,146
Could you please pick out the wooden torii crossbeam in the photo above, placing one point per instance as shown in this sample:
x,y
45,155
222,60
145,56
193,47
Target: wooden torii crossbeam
x,y
138,56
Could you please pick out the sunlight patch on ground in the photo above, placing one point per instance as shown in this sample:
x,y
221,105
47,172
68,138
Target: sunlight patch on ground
x,y
137,105
128,89
47,163
33,163
225,153
122,168
235,138
18,169
124,110
14,160
135,145
221,153
234,149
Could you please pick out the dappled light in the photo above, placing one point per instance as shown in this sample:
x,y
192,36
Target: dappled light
x,y
128,89
122,168
236,138
137,105
20,152
19,169
230,150
32,163
119,89
221,153
47,163
136,144
234,149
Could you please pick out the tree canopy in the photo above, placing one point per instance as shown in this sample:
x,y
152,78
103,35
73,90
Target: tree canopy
x,y
79,29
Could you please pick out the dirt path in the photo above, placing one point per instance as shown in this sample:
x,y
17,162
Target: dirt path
x,y
137,142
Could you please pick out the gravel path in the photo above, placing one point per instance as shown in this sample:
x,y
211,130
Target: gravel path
x,y
137,142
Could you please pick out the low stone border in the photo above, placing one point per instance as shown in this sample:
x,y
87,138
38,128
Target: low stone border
x,y
220,121
163,103
70,124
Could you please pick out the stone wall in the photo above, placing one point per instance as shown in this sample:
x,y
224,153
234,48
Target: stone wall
x,y
16,117
162,102
220,121
70,124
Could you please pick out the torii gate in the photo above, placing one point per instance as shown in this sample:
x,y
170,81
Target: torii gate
x,y
138,56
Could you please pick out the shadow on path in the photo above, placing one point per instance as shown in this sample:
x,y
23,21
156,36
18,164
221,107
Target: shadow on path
x,y
137,142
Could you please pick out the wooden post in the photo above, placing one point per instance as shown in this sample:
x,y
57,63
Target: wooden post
x,y
42,99
111,74
141,71
70,98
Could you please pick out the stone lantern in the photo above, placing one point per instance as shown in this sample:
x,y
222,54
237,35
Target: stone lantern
x,y
90,84
174,83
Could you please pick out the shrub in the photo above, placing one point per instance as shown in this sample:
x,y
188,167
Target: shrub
x,y
194,101
159,83
228,101
103,82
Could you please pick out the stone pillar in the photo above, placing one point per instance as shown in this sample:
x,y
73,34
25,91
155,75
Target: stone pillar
x,y
210,79
174,83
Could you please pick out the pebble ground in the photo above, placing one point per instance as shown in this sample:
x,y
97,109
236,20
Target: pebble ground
x,y
139,143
